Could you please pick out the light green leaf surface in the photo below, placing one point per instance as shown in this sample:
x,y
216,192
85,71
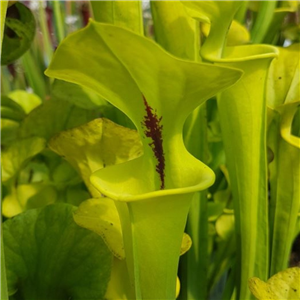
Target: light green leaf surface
x,y
283,78
15,156
284,197
95,145
150,86
243,130
127,14
283,100
77,95
172,21
166,97
49,257
18,33
27,101
284,285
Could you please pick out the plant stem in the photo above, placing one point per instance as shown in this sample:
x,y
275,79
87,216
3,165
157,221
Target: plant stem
x,y
263,21
58,20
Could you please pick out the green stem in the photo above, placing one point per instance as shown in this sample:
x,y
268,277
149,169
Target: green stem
x,y
263,21
58,20
222,261
33,75
48,49
240,15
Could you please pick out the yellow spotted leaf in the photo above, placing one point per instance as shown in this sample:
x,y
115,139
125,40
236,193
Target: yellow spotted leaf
x,y
284,285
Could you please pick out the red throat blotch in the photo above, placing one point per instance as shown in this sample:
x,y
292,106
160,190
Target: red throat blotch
x,y
154,131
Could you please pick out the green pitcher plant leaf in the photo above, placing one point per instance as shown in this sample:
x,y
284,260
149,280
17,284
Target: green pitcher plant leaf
x,y
127,14
170,21
48,256
284,196
219,14
95,145
100,215
19,32
141,84
76,94
283,102
282,286
283,78
243,124
153,192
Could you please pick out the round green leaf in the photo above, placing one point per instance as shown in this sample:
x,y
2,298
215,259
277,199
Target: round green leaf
x,y
49,257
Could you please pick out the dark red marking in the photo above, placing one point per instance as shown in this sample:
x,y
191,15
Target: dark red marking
x,y
154,131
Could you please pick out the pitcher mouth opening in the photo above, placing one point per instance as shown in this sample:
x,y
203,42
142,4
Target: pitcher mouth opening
x,y
206,179
245,53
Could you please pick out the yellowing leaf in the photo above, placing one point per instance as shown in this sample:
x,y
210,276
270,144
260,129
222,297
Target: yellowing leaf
x,y
186,244
283,81
284,285
101,216
95,145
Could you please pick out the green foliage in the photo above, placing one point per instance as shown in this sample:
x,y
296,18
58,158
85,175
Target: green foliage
x,y
49,257
18,32
193,127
